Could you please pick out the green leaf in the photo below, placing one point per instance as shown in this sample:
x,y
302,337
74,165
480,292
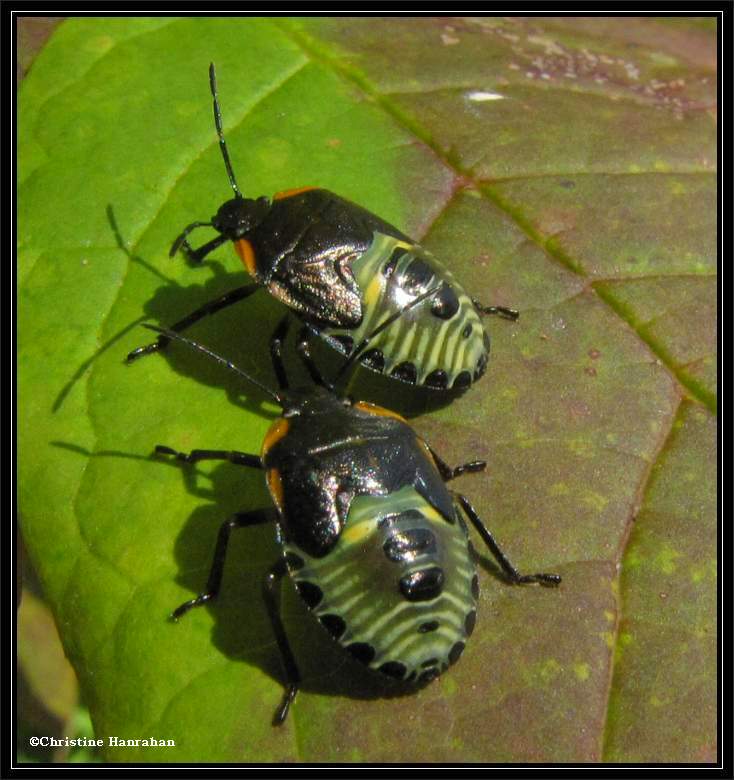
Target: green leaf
x,y
564,167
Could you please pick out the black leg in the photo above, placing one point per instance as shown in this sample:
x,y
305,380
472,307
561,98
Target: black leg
x,y
233,456
208,308
510,571
508,314
271,591
182,239
448,473
195,255
304,351
276,344
239,520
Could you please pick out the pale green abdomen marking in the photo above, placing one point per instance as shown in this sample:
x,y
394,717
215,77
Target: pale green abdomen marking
x,y
456,346
360,585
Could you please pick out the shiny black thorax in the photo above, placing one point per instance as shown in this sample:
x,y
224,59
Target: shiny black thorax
x,y
301,228
304,245
334,451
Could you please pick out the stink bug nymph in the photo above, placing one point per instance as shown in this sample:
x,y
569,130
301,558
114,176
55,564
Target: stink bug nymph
x,y
373,539
341,269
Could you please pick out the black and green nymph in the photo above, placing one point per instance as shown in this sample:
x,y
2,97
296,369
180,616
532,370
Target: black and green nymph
x,y
342,270
373,539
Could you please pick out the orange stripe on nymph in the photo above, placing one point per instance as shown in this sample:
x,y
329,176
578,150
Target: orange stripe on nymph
x,y
365,406
247,254
275,433
291,193
275,486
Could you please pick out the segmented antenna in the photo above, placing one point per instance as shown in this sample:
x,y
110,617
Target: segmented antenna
x,y
220,132
218,358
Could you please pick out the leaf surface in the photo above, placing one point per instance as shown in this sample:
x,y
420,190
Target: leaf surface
x,y
565,167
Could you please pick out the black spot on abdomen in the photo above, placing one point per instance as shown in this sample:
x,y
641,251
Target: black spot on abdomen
x,y
437,379
333,624
445,303
374,359
423,585
469,622
416,276
428,675
310,593
406,546
425,628
474,584
393,669
406,372
362,651
481,367
463,380
456,652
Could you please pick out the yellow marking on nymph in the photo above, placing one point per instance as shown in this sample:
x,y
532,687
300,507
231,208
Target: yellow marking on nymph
x,y
366,406
432,514
247,254
290,193
410,246
353,534
374,291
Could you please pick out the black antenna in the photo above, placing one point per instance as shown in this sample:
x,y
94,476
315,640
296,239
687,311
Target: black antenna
x,y
220,132
385,324
218,358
